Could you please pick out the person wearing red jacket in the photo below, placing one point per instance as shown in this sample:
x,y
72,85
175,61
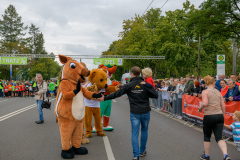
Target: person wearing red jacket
x,y
23,90
20,90
147,75
224,88
234,77
6,90
16,90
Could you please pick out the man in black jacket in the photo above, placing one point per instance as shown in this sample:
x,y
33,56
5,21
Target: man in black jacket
x,y
139,109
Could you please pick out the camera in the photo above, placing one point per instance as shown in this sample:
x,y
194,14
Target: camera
x,y
36,89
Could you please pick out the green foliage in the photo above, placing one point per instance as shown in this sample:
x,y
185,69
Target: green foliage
x,y
218,18
174,36
46,66
36,41
11,27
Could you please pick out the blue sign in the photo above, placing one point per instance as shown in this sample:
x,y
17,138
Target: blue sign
x,y
10,71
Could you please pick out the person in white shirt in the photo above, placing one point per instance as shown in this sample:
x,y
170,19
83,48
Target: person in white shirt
x,y
165,95
180,91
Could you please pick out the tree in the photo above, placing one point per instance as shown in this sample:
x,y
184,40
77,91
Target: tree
x,y
36,41
46,66
11,29
218,17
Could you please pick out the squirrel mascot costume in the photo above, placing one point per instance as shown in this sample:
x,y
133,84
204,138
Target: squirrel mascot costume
x,y
70,107
106,106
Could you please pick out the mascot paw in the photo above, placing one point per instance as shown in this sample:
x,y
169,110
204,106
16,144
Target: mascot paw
x,y
69,154
93,88
108,128
84,140
101,134
80,151
88,135
97,95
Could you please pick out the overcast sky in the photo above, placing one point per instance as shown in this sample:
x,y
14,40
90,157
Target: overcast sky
x,y
83,27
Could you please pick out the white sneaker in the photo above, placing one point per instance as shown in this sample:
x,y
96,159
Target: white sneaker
x,y
94,130
108,128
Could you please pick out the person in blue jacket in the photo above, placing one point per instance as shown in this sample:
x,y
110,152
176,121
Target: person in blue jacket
x,y
220,77
232,91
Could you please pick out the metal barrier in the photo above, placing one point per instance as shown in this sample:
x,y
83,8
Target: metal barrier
x,y
167,102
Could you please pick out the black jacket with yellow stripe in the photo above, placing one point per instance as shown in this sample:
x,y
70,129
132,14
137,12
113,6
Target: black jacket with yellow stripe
x,y
138,95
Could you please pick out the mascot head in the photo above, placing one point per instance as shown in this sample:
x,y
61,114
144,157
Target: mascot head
x,y
72,70
99,77
110,70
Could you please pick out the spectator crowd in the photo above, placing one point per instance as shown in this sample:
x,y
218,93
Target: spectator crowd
x,y
25,88
191,85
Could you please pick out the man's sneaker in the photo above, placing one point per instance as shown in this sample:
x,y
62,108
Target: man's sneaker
x,y
227,158
39,122
135,158
143,154
203,157
94,130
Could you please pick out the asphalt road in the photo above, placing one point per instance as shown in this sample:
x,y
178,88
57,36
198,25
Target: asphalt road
x,y
22,139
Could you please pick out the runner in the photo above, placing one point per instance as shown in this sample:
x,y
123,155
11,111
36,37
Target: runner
x,y
13,90
26,89
20,90
23,89
9,90
6,90
16,90
214,108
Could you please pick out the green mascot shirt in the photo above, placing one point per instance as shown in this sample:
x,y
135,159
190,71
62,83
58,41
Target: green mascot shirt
x,y
51,86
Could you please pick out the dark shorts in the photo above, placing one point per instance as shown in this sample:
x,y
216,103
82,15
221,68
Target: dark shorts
x,y
213,123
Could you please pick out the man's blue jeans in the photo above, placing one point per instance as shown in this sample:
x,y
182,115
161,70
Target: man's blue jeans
x,y
39,108
136,120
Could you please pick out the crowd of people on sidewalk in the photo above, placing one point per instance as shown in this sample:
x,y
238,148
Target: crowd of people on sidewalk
x,y
228,87
26,88
214,94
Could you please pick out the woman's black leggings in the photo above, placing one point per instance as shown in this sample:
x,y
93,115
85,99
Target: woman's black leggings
x,y
213,123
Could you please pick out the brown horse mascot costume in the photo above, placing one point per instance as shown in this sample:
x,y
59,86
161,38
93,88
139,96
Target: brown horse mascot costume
x,y
70,107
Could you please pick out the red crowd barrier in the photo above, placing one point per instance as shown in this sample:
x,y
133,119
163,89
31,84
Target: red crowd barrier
x,y
190,105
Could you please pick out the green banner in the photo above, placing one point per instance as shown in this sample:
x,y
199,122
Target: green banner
x,y
13,60
106,61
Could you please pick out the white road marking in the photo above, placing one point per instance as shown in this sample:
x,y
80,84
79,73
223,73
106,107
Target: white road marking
x,y
108,148
114,100
19,111
3,100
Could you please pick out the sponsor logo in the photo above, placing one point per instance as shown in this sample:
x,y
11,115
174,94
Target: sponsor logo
x,y
229,114
221,58
137,86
